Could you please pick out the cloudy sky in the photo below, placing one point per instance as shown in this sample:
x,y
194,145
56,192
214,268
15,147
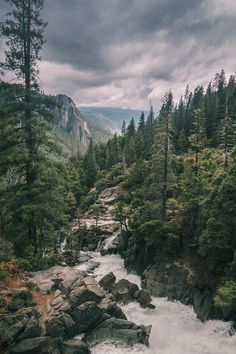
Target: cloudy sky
x,y
124,53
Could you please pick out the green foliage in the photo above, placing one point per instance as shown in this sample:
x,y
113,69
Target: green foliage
x,y
217,240
121,214
6,250
226,295
33,262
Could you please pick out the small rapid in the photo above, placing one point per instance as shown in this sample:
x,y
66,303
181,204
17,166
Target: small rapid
x,y
175,327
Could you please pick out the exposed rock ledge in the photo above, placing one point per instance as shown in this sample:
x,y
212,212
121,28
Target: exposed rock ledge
x,y
75,304
177,280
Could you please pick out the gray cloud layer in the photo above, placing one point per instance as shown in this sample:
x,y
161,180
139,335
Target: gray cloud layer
x,y
126,52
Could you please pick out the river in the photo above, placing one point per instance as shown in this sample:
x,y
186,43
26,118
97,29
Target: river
x,y
175,327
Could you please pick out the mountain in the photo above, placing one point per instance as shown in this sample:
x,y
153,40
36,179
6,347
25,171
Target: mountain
x,y
107,119
71,121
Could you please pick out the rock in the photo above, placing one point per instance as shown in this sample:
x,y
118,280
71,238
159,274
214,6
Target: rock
x,y
57,293
75,346
112,249
21,298
107,281
85,294
118,331
151,306
16,304
32,346
31,330
24,294
29,312
86,315
133,288
84,258
65,307
178,281
77,284
61,326
143,297
16,329
115,311
43,279
2,303
123,291
58,302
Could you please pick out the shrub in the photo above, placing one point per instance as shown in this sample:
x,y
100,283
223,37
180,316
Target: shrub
x,y
226,295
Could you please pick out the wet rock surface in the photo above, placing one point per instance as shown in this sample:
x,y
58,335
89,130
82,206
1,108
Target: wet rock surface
x,y
76,302
118,331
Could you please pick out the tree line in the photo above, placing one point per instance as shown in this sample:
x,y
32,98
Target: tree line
x,y
180,186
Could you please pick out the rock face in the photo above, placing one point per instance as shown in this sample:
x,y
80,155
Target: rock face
x,y
98,224
119,331
71,120
33,345
86,316
75,346
178,281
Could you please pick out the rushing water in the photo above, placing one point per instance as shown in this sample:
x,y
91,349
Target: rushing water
x,y
175,328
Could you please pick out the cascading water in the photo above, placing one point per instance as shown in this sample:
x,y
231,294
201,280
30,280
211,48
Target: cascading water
x,y
175,327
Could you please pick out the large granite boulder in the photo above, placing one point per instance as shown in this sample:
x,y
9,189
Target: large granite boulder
x,y
39,345
86,316
119,331
108,281
61,326
75,346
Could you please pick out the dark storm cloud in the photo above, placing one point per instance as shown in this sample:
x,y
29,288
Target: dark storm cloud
x,y
80,31
125,52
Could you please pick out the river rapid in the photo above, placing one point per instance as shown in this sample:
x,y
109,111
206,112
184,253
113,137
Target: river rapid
x,y
175,327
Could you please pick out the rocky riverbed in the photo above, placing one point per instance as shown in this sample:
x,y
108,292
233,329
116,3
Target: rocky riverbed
x,y
98,307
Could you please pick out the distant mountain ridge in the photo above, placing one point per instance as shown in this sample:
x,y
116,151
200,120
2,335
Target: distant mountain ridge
x,y
109,119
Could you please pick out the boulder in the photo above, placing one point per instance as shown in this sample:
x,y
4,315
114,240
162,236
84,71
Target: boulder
x,y
122,291
21,298
58,302
75,346
107,281
143,297
91,292
16,304
29,312
32,346
16,329
115,311
61,326
32,329
119,331
86,315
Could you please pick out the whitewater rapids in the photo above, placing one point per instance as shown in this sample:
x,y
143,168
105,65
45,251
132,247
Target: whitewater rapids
x,y
175,327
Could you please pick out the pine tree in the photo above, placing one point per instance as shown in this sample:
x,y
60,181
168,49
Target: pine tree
x,y
210,111
25,144
197,137
90,166
149,133
161,149
227,134
123,129
140,138
131,129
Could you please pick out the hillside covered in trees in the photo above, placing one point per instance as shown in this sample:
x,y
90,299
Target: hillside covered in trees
x,y
180,185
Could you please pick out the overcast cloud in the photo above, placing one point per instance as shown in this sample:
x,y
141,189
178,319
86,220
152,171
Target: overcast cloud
x,y
124,53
